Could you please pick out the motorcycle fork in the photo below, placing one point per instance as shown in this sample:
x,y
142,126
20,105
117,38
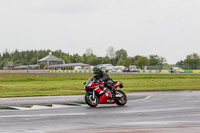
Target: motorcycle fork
x,y
93,94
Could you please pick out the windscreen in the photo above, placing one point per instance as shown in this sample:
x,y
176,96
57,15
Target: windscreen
x,y
89,81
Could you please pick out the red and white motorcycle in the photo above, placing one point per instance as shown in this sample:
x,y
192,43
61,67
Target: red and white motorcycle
x,y
97,93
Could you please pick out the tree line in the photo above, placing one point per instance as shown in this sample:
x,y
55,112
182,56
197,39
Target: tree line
x,y
192,61
118,57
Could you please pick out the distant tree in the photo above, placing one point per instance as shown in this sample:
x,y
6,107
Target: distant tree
x,y
127,62
121,54
179,63
85,58
89,52
162,61
110,52
33,61
3,62
66,59
192,60
76,58
105,60
156,60
120,62
6,54
57,53
94,60
135,58
141,61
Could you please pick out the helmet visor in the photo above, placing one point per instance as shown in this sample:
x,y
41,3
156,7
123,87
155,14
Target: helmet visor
x,y
94,71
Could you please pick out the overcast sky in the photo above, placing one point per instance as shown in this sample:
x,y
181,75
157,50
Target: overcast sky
x,y
168,28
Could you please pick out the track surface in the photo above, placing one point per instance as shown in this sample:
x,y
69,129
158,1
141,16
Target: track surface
x,y
177,112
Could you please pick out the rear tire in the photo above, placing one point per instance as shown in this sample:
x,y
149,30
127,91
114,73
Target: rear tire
x,y
122,100
91,102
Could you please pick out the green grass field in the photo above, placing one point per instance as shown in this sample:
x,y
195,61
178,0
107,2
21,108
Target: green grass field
x,y
48,84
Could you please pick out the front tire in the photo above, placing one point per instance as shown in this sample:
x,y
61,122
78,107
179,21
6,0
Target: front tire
x,y
90,101
121,101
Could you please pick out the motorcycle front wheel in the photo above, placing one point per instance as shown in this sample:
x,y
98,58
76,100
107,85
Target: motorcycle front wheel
x,y
90,101
122,100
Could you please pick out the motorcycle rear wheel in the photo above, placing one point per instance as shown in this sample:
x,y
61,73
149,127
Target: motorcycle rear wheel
x,y
90,101
122,100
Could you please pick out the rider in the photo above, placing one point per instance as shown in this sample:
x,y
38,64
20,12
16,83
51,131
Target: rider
x,y
102,76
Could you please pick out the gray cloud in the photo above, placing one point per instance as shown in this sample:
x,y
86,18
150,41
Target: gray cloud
x,y
167,28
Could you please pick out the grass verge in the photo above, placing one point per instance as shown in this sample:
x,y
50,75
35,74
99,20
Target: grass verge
x,y
49,84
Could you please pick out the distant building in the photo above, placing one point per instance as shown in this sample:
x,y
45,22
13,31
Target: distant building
x,y
105,66
27,67
71,66
50,60
9,66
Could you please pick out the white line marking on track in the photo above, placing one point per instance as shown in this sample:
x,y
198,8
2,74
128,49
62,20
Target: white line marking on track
x,y
160,123
43,115
141,99
20,108
35,107
157,110
40,107
62,106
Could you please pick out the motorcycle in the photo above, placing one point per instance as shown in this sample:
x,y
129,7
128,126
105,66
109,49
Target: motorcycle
x,y
97,93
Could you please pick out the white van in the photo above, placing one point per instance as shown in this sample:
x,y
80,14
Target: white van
x,y
77,68
177,68
119,68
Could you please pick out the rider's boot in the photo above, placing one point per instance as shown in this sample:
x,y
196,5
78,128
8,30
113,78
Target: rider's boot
x,y
114,92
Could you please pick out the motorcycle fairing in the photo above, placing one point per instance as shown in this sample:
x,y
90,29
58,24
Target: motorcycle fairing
x,y
117,84
106,99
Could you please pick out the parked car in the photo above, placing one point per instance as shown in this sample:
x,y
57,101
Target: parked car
x,y
177,68
109,68
87,68
119,68
131,68
78,68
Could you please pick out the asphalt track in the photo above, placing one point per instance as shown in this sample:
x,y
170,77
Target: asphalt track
x,y
156,112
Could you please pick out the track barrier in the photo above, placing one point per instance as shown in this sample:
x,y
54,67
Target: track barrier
x,y
141,71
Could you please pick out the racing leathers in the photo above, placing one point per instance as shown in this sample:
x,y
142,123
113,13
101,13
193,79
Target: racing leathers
x,y
102,76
